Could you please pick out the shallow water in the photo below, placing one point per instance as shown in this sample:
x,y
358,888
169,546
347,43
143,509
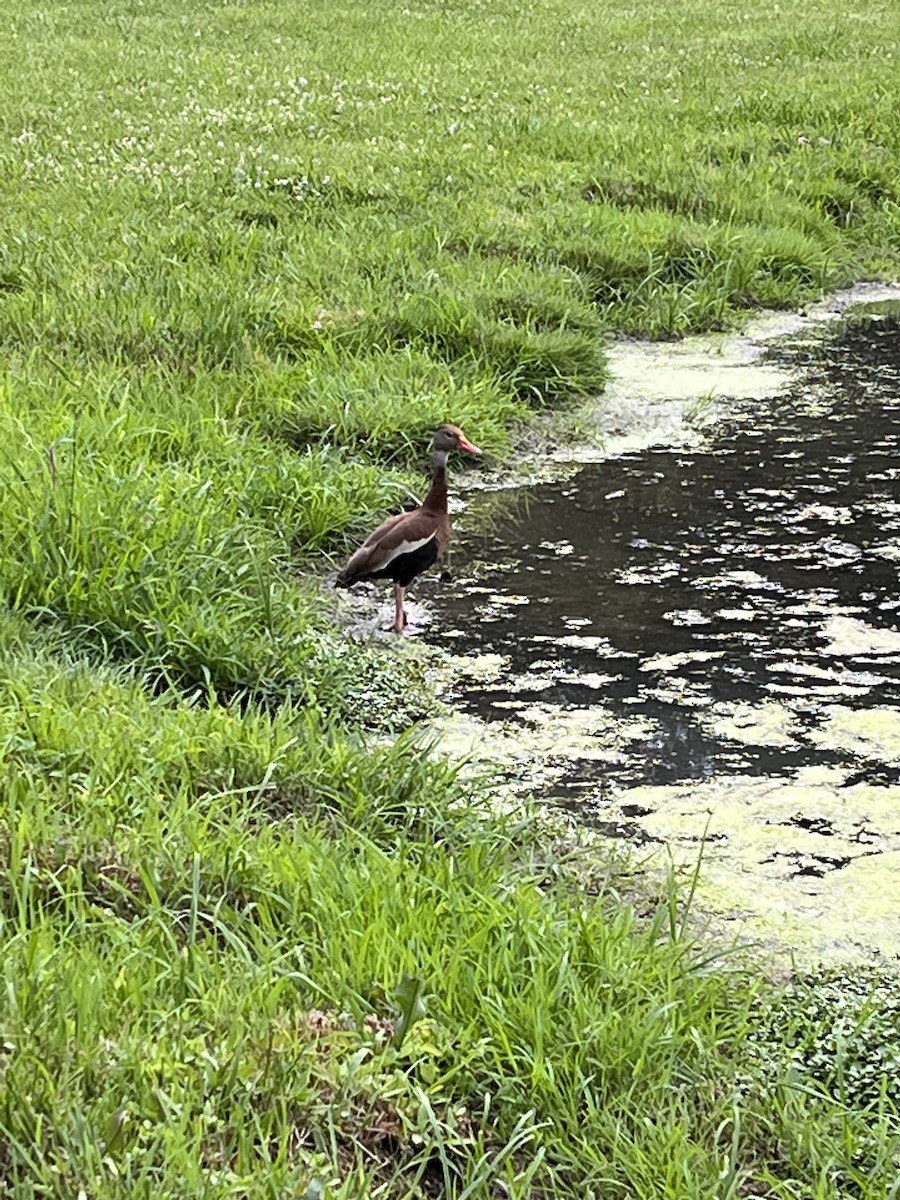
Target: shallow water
x,y
671,626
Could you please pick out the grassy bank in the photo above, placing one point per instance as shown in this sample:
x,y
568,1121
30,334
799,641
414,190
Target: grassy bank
x,y
250,255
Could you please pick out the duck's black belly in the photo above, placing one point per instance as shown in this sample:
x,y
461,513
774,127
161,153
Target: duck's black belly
x,y
405,567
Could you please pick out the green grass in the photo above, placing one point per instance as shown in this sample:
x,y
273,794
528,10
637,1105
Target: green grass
x,y
254,941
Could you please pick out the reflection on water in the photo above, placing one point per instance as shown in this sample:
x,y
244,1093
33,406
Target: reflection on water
x,y
722,601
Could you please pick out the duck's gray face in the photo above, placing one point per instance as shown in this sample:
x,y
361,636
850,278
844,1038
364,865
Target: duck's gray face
x,y
451,437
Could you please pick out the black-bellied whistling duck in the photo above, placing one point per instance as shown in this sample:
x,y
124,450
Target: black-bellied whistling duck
x,y
408,544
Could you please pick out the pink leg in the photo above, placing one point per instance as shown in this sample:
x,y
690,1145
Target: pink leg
x,y
399,614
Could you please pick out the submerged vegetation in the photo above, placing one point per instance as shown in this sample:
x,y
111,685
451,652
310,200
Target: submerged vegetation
x,y
250,255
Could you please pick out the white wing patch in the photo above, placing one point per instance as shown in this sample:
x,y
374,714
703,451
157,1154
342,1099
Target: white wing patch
x,y
405,548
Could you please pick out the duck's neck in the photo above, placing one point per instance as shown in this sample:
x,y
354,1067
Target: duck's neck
x,y
436,500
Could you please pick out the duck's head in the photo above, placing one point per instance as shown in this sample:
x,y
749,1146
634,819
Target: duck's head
x,y
451,437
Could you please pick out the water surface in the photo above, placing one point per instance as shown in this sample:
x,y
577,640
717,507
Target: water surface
x,y
685,620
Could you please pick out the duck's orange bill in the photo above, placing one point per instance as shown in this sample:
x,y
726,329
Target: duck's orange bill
x,y
465,444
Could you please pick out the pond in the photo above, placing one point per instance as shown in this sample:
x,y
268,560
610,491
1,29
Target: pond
x,y
700,644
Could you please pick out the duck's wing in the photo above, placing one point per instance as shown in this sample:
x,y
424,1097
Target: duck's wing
x,y
400,534
384,528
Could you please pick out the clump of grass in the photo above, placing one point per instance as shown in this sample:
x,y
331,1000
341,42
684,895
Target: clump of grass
x,y
384,404
533,335
661,274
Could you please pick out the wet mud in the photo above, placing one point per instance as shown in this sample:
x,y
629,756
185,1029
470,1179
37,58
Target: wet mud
x,y
692,638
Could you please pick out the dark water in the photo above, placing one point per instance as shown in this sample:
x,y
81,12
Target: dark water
x,y
744,557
